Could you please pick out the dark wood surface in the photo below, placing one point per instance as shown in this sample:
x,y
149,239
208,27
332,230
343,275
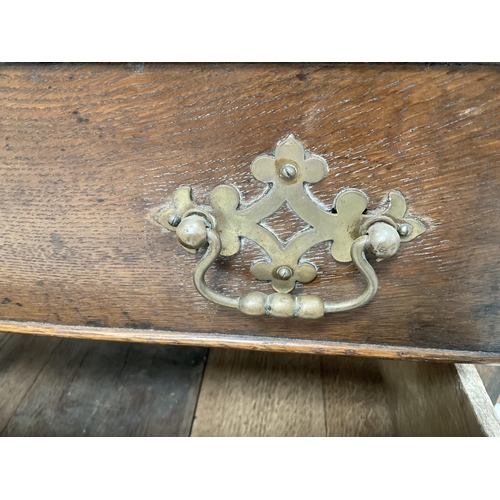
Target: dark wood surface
x,y
251,342
22,358
91,151
68,387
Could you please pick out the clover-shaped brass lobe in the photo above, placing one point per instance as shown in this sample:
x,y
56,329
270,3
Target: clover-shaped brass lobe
x,y
269,271
290,165
171,217
225,201
408,227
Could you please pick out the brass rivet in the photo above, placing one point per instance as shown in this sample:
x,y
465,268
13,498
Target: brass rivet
x,y
174,220
288,172
404,230
283,273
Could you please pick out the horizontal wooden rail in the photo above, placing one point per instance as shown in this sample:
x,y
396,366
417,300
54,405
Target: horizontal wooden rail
x,y
249,342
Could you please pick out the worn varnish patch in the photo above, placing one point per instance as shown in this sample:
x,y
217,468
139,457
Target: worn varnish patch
x,y
90,150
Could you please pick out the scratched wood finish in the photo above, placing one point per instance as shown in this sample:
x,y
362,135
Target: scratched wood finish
x,y
91,151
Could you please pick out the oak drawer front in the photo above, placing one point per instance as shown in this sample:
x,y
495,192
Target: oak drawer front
x,y
91,151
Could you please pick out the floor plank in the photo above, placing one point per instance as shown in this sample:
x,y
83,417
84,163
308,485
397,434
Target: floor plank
x,y
355,397
438,399
90,388
247,393
22,357
54,387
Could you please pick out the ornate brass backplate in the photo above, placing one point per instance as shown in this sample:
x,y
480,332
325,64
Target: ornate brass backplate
x,y
347,225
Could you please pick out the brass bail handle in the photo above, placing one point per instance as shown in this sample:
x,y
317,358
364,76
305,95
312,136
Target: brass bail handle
x,y
381,239
353,229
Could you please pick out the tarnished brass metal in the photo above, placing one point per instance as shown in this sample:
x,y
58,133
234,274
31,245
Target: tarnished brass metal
x,y
352,230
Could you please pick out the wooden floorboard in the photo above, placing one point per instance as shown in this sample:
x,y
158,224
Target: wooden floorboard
x,y
22,357
66,387
246,393
88,388
355,397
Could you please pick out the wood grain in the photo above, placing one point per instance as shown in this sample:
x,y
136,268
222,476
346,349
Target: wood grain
x,y
21,360
478,400
355,398
91,151
98,388
490,375
431,399
252,342
265,394
260,394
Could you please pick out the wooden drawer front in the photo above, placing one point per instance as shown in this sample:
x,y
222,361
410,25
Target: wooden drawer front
x,y
91,151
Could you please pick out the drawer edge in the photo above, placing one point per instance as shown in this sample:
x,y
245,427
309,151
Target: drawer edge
x,y
249,342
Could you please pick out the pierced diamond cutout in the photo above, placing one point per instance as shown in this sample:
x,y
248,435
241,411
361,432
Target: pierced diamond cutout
x,y
284,223
273,221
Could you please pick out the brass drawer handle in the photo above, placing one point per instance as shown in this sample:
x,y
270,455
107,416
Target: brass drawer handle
x,y
351,229
285,305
